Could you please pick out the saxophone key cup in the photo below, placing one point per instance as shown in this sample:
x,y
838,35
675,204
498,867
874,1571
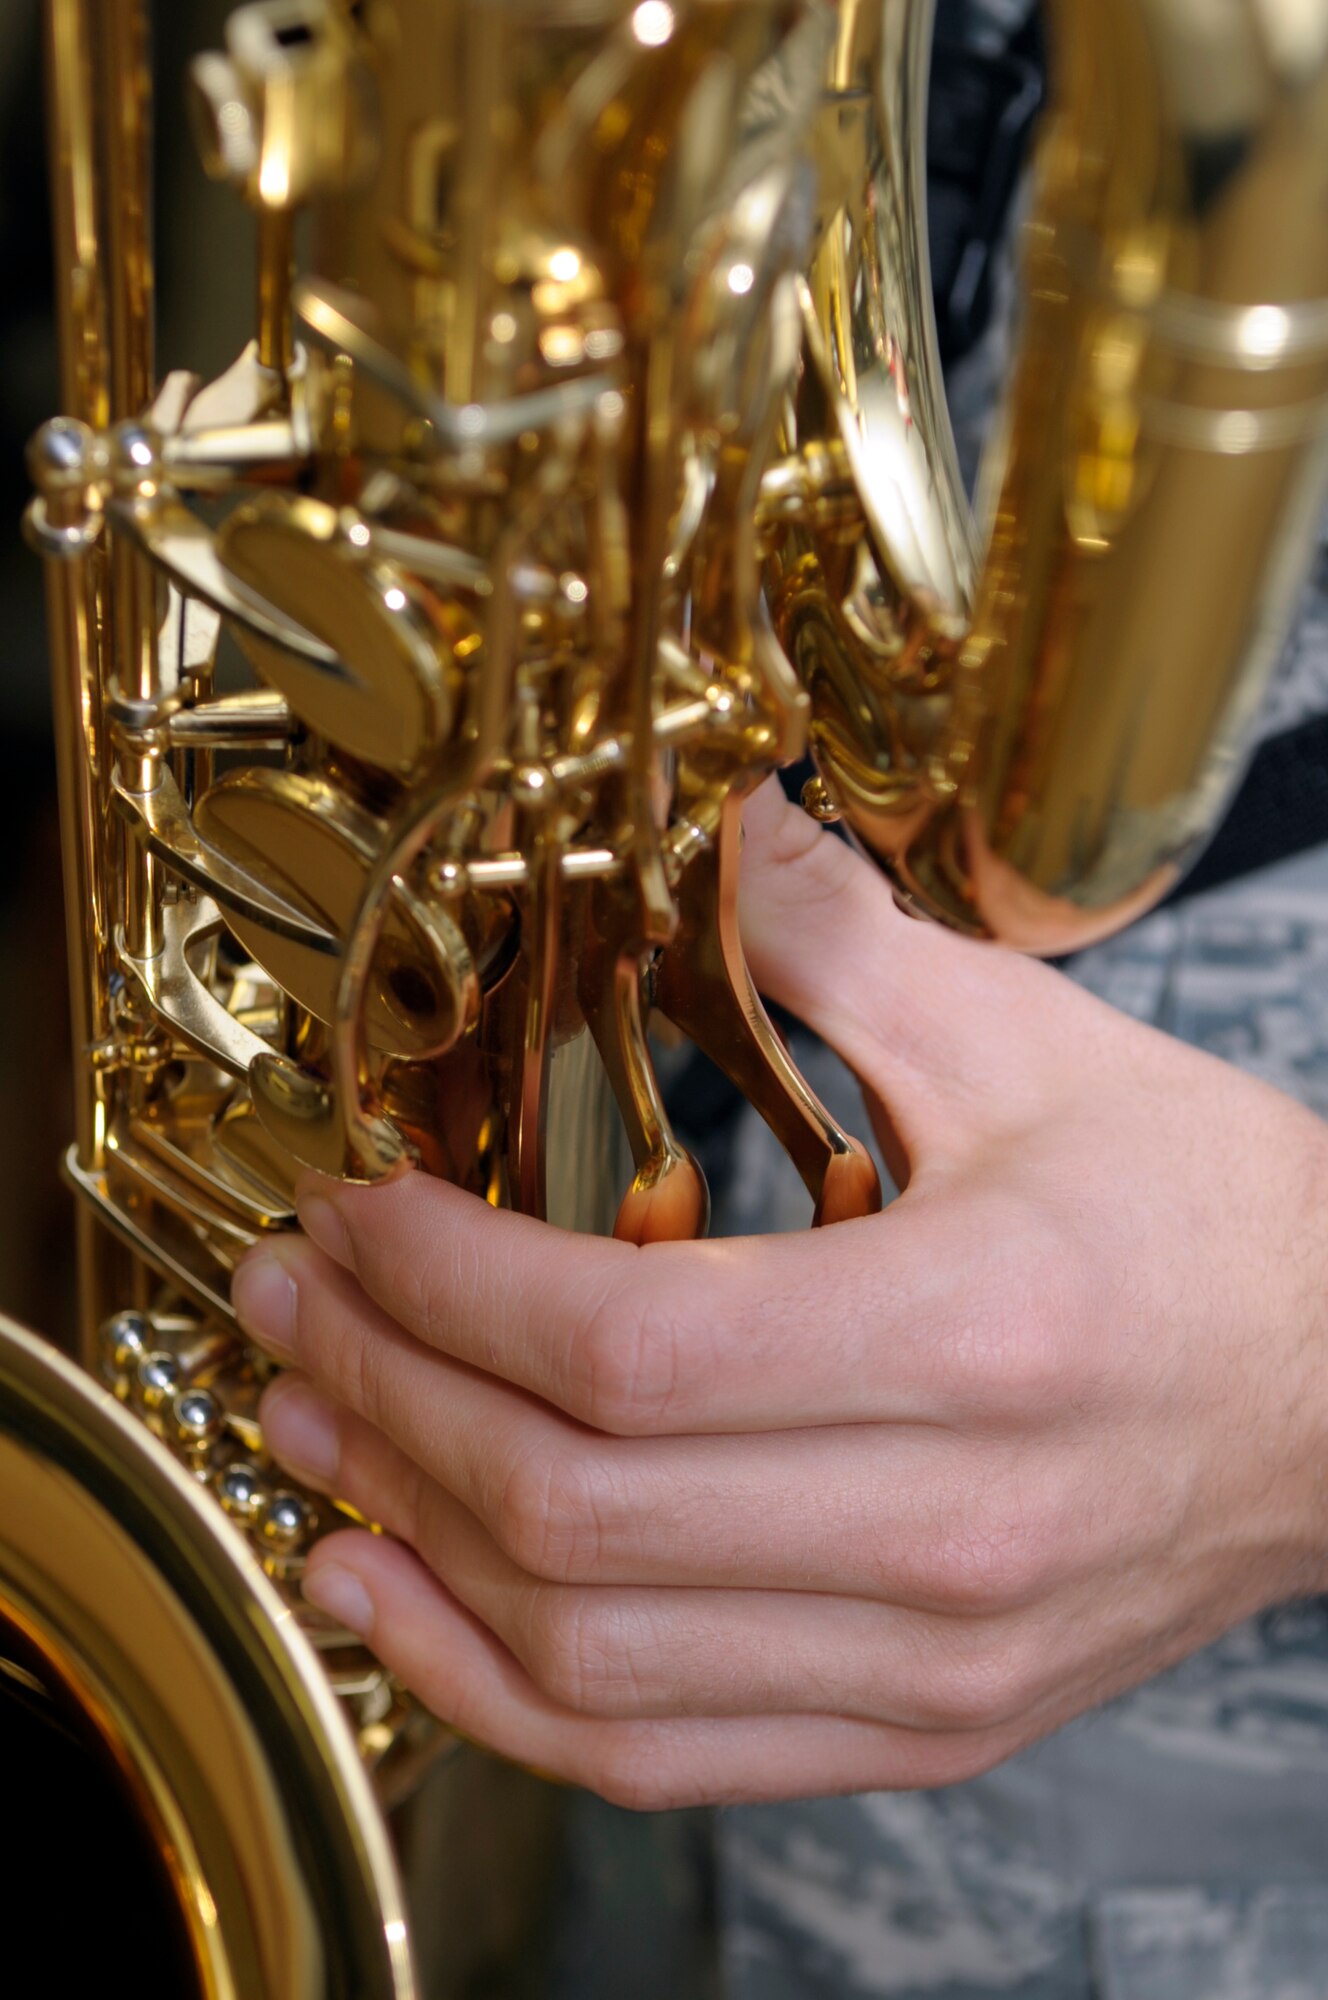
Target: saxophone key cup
x,y
301,1112
391,699
316,846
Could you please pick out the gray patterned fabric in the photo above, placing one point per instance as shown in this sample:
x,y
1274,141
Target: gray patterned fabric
x,y
1173,1846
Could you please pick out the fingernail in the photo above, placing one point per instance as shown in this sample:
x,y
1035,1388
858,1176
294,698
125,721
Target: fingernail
x,y
342,1596
322,1223
300,1428
263,1294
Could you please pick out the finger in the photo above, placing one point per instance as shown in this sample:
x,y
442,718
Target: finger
x,y
672,1652
910,1517
675,1337
950,1034
469,1678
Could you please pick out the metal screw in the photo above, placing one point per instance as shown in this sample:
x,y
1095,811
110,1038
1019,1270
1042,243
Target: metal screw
x,y
63,457
285,1522
817,802
242,1493
134,457
198,1420
124,1339
158,1378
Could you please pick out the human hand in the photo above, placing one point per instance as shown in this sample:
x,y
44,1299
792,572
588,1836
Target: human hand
x,y
871,1507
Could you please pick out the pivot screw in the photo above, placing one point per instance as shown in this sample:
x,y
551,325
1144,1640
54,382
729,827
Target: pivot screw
x,y
158,1378
198,1421
286,1522
125,1338
133,458
64,457
818,804
242,1494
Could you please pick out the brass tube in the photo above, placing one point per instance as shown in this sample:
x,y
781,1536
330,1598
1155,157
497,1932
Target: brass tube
x,y
75,596
276,258
126,143
80,290
70,594
126,172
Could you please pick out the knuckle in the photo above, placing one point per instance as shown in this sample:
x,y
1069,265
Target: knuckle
x,y
574,1654
363,1375
1015,1355
982,1688
1000,1559
1029,1360
403,1281
551,1647
549,1515
419,1506
629,1355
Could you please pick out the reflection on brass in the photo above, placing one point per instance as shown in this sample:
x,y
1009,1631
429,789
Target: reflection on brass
x,y
316,846
154,1625
593,463
1032,728
390,697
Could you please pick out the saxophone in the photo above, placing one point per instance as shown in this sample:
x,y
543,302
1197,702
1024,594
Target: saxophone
x,y
588,463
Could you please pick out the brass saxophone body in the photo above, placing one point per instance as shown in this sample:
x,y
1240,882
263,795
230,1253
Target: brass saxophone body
x,y
589,461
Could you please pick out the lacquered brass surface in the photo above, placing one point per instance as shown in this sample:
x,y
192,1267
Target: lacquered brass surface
x,y
156,1626
1035,741
593,463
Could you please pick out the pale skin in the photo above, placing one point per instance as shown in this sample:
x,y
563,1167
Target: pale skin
x,y
866,1508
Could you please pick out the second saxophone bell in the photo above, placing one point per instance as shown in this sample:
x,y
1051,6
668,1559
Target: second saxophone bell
x,y
1035,744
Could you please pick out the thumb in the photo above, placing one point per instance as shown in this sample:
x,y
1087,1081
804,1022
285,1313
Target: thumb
x,y
933,1024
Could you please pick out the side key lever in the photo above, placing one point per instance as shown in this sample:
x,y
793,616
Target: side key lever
x,y
704,987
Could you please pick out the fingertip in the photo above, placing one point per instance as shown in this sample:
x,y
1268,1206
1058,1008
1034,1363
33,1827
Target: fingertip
x,y
340,1594
381,1564
263,1295
419,1630
301,1428
763,809
321,1218
359,1578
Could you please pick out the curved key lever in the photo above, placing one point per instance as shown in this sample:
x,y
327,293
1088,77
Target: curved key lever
x,y
301,1112
668,1200
705,988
